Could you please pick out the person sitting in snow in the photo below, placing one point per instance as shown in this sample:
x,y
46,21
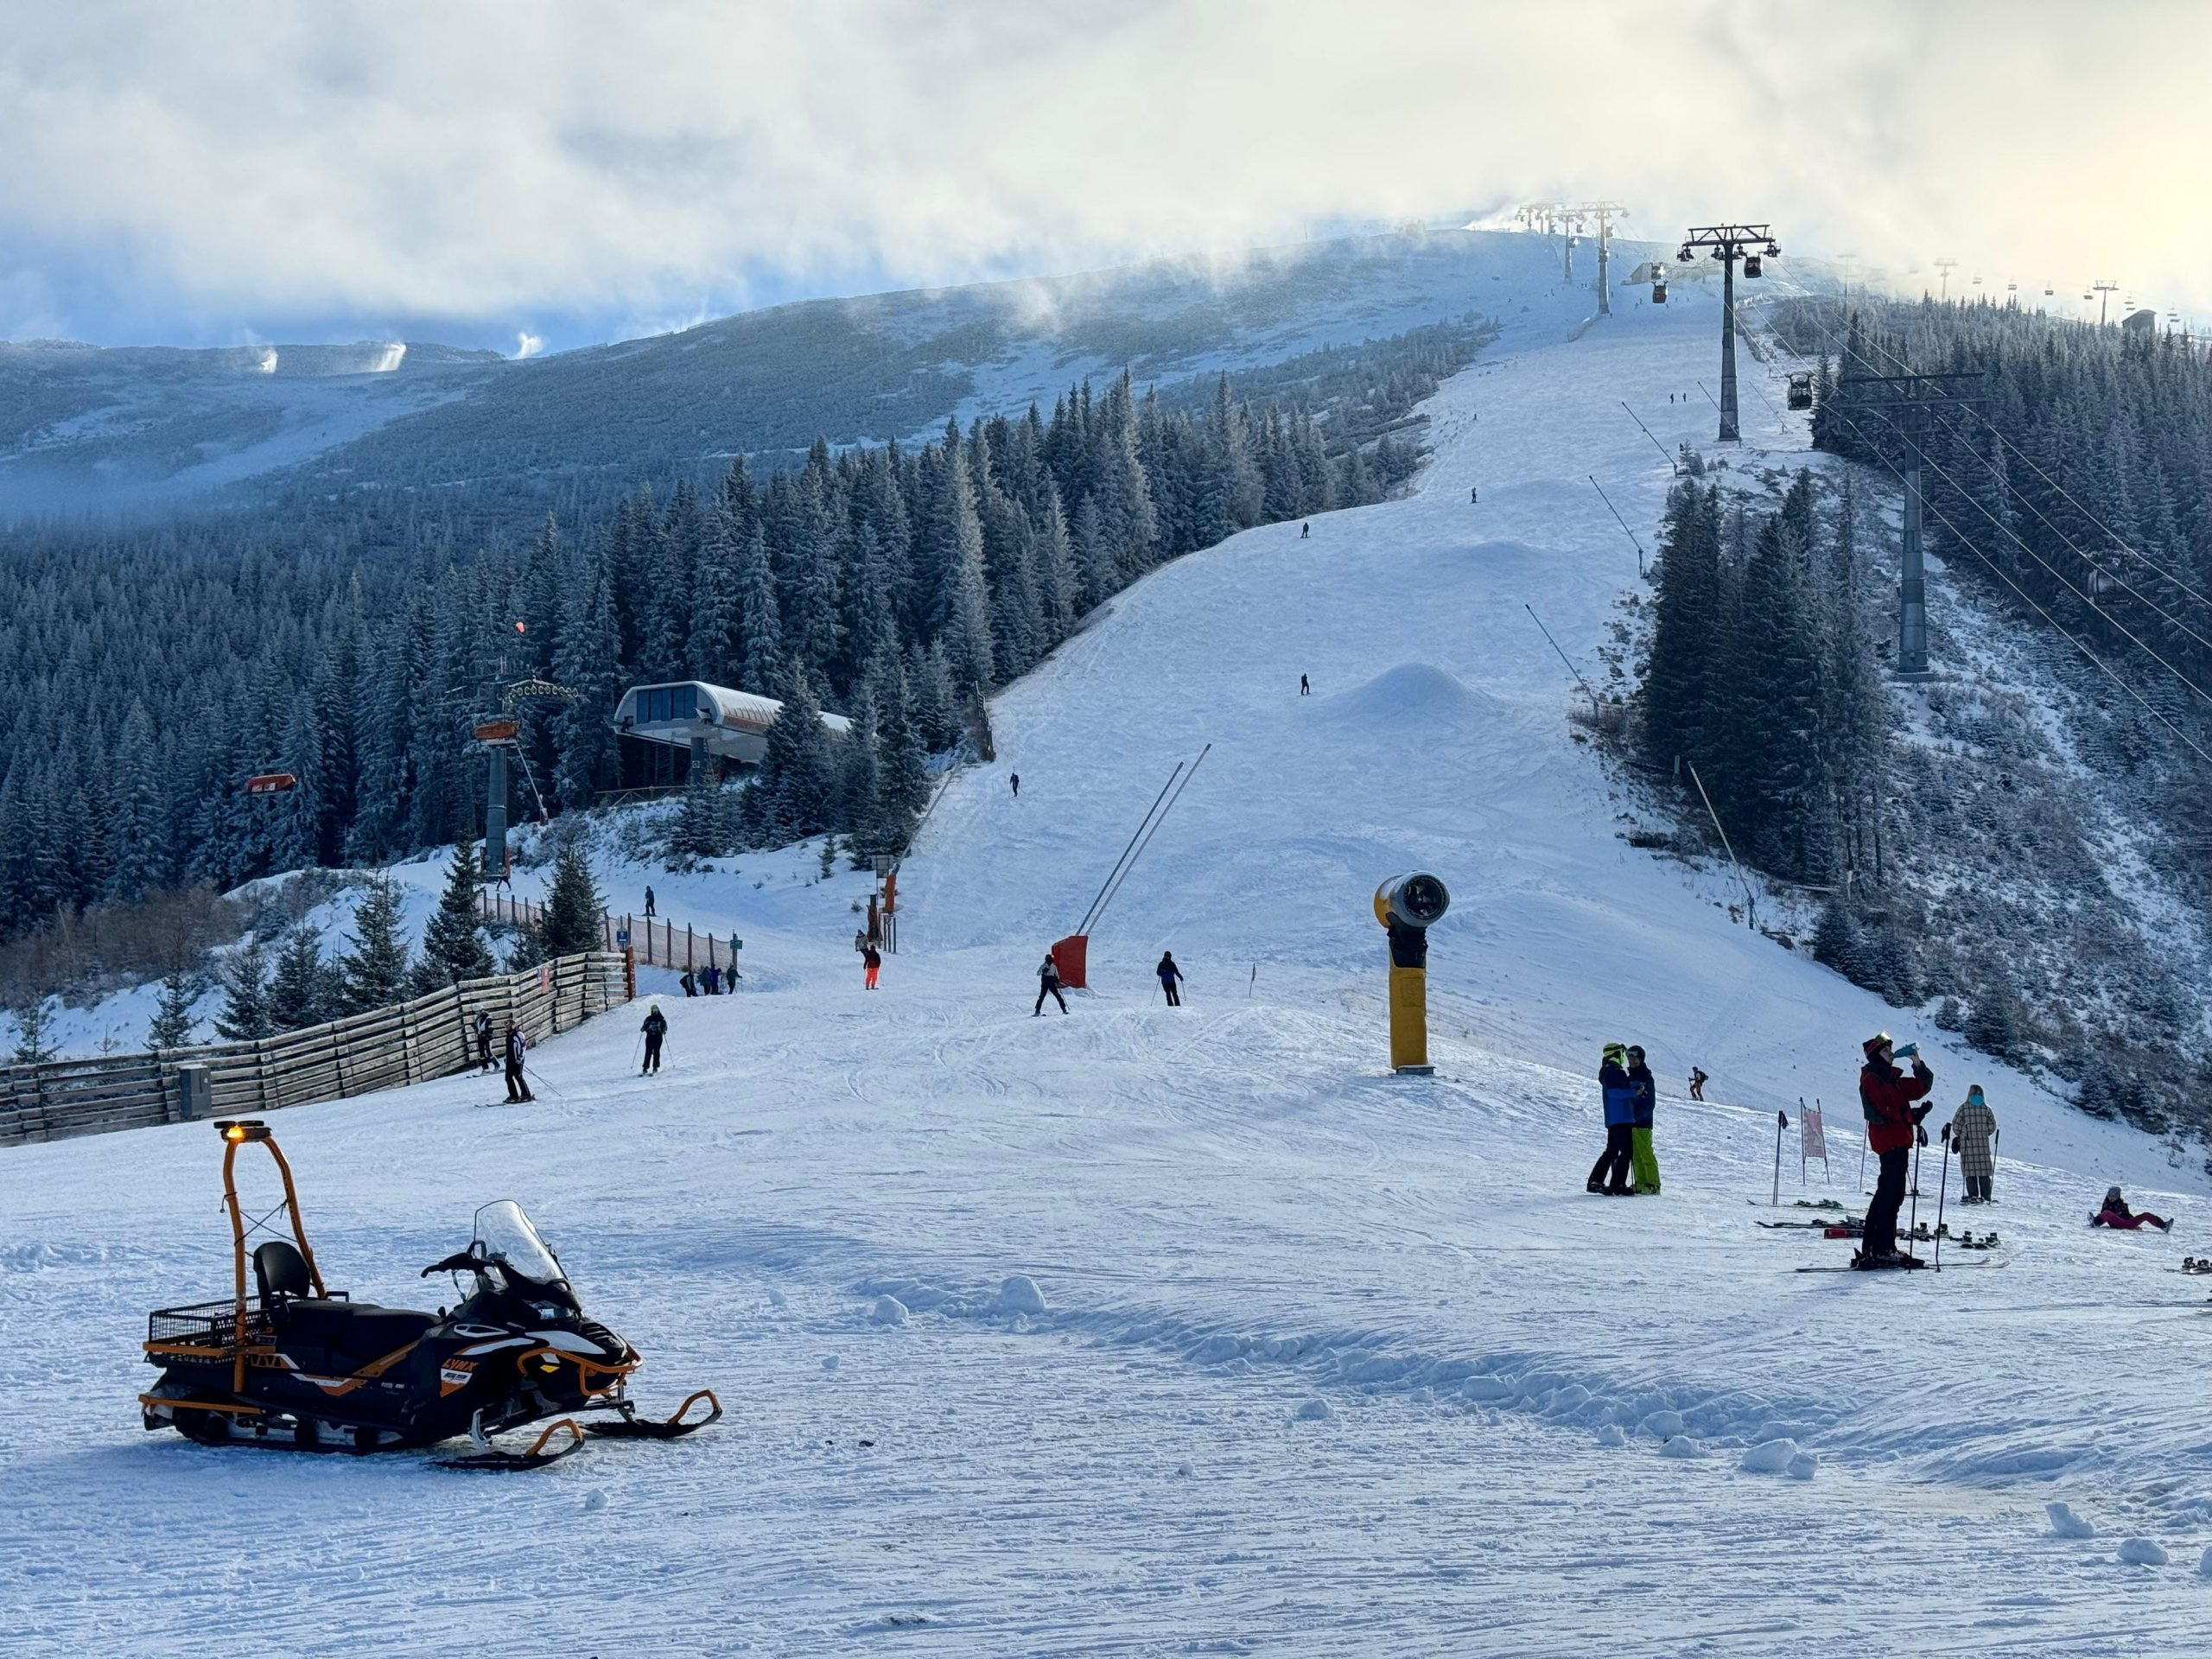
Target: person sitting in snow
x,y
2116,1214
1974,1125
1609,1175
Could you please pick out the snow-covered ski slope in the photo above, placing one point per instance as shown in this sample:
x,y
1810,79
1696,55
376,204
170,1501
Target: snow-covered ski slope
x,y
1327,1361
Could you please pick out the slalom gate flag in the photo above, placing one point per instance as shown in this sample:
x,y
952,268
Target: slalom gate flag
x,y
1817,1146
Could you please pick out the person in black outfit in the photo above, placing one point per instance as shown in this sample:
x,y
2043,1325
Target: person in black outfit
x,y
1305,687
1305,532
656,1028
690,985
482,1025
1048,984
1169,973
649,902
518,1085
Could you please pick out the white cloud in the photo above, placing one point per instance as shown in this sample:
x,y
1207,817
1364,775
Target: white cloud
x,y
479,159
528,344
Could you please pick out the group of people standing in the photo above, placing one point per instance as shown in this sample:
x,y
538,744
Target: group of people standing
x,y
708,981
513,1048
1628,1167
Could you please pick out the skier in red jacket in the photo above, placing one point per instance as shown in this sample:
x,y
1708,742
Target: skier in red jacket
x,y
1892,1123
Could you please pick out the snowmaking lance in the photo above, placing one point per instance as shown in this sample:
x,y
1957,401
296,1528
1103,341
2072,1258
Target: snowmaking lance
x,y
299,1366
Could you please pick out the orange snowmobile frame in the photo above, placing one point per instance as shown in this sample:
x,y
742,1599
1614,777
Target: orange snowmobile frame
x,y
237,1133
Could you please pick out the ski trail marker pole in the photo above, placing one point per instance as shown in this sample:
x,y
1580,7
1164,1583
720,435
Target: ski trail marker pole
x,y
1781,1123
1941,1188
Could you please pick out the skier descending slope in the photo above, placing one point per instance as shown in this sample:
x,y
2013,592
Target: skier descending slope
x,y
1885,1094
1048,984
1609,1175
656,1028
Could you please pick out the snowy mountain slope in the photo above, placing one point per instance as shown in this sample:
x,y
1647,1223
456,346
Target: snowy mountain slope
x,y
1329,1362
108,431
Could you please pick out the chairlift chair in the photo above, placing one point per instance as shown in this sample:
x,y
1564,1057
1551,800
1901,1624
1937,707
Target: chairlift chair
x,y
1752,266
1801,392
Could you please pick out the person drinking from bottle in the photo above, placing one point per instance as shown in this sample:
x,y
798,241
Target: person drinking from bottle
x,y
1885,1094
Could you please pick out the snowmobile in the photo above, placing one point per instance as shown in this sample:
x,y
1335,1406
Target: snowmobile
x,y
299,1366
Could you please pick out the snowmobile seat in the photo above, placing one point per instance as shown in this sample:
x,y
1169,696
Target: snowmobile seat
x,y
280,1271
354,1331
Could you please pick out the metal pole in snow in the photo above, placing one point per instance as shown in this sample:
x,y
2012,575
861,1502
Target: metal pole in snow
x,y
1942,1186
1781,1123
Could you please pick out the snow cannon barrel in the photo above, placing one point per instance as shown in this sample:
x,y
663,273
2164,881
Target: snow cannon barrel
x,y
1408,906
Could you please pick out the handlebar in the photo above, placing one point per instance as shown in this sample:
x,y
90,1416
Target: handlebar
x,y
455,1262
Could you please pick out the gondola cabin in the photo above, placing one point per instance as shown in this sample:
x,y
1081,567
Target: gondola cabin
x,y
667,729
1801,392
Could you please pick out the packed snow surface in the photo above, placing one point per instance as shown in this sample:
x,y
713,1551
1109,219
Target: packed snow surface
x,y
1147,1331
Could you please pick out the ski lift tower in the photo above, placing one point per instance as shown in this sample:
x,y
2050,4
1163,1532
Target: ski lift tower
x,y
2104,288
1729,243
500,737
1604,214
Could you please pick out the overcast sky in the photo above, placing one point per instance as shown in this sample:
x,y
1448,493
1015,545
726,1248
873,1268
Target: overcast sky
x,y
218,172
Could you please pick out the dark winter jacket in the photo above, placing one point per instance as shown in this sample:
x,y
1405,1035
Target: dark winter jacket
x,y
1168,971
1620,1096
515,1049
1886,1093
1647,1095
656,1024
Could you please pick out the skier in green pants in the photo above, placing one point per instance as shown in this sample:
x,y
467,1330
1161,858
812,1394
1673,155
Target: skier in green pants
x,y
1641,1159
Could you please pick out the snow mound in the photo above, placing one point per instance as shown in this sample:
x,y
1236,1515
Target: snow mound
x,y
888,1310
595,1501
2204,1565
1611,1434
1768,1458
1413,697
1019,1294
2065,1524
1681,1446
829,1362
1803,1466
1315,1410
1663,1425
2143,1552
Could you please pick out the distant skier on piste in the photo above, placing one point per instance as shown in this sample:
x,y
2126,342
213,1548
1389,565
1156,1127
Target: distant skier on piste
x,y
1016,779
1886,1096
656,1028
482,1027
1698,1080
1169,976
649,904
1048,984
1642,1158
1973,1127
1609,1175
1305,686
871,961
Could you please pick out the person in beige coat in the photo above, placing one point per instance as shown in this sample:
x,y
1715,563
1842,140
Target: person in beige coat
x,y
1973,1132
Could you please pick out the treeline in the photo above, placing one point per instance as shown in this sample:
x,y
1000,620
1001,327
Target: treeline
x,y
1762,681
149,676
2080,479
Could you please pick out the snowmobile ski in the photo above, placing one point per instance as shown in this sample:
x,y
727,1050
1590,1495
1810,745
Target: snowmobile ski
x,y
630,1426
1833,1227
498,1459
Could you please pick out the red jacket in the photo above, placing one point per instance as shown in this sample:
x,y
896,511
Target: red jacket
x,y
1887,1093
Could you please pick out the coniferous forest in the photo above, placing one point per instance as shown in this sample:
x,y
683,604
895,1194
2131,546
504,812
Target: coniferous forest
x,y
1948,840
150,673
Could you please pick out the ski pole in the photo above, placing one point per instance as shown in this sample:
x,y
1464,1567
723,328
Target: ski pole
x,y
1781,1123
532,1073
1942,1186
1919,1139
1862,1163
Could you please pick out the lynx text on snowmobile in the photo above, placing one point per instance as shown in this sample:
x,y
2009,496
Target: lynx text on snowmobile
x,y
297,1365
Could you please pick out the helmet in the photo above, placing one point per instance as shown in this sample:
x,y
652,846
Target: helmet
x,y
1879,1040
1614,1054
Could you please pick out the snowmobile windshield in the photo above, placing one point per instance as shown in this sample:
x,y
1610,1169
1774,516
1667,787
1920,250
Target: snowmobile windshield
x,y
504,1235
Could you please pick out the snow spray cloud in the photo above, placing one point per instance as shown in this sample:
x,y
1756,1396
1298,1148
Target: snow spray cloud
x,y
528,344
596,163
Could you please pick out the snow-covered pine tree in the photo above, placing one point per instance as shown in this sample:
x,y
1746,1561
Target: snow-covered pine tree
x,y
172,1024
35,1043
575,913
245,1015
454,948
373,974
300,991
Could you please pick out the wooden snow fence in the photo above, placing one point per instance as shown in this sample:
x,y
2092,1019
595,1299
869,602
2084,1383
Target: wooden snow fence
x,y
385,1048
